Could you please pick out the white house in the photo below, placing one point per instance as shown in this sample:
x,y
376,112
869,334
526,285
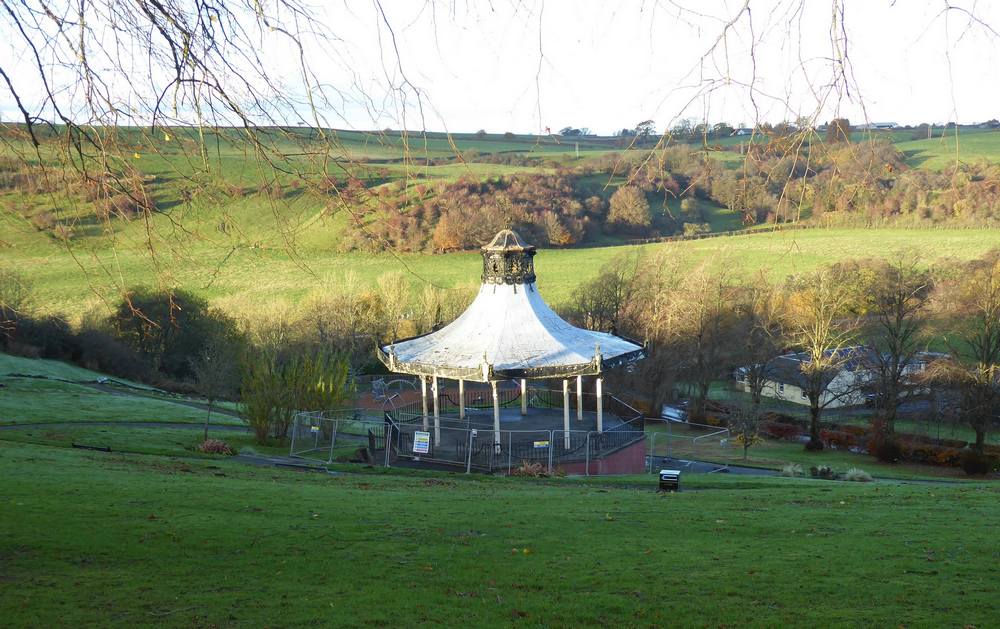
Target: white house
x,y
846,386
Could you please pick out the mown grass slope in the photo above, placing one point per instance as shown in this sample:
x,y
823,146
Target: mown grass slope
x,y
121,540
48,391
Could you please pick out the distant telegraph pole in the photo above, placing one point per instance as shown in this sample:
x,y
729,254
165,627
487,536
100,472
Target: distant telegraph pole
x,y
577,149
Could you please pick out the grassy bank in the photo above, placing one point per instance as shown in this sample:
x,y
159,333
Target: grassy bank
x,y
125,540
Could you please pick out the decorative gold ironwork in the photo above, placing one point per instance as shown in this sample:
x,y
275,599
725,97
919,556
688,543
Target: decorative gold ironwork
x,y
508,260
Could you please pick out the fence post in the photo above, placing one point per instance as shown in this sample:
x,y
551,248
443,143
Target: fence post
x,y
670,435
509,443
652,452
468,464
552,437
333,439
295,427
587,459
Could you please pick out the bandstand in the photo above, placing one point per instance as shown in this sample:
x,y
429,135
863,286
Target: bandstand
x,y
497,353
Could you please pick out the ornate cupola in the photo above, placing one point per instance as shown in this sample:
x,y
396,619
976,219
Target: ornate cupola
x,y
508,260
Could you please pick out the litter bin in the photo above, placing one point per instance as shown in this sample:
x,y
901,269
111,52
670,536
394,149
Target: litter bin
x,y
670,480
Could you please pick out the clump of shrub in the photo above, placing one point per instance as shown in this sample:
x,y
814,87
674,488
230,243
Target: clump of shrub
x,y
822,471
886,449
215,446
857,475
531,469
977,463
696,229
784,431
839,439
791,470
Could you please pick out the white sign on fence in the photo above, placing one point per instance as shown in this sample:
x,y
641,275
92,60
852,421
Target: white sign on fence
x,y
421,442
542,444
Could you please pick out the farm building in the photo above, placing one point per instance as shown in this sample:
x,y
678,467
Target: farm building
x,y
786,380
877,126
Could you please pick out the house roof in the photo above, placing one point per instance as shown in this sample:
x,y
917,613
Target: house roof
x,y
787,369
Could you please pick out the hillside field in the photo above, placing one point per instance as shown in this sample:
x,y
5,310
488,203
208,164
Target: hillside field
x,y
243,252
70,282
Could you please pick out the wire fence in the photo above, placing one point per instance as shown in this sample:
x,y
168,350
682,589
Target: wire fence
x,y
325,436
689,442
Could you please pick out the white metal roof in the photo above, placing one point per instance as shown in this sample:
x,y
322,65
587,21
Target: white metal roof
x,y
509,331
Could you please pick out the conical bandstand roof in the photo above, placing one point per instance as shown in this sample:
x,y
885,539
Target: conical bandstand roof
x,y
509,331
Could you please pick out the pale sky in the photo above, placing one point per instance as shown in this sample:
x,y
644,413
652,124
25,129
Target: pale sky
x,y
522,67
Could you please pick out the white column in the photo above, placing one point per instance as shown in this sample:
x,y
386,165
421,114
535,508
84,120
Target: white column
x,y
579,398
524,396
566,413
600,407
461,399
437,411
423,399
496,417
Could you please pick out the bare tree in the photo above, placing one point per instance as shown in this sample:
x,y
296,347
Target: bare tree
x,y
974,370
608,302
657,322
820,324
704,330
759,333
744,426
216,374
896,298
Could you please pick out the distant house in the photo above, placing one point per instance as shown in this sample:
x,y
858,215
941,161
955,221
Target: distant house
x,y
742,131
785,380
878,126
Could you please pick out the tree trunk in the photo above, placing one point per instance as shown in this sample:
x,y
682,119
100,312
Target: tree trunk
x,y
815,442
698,403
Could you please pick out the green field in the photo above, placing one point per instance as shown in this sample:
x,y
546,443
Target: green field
x,y
125,540
243,280
948,149
243,252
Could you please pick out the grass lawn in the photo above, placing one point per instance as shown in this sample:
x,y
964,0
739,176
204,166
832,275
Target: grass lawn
x,y
10,364
126,540
164,441
49,399
678,441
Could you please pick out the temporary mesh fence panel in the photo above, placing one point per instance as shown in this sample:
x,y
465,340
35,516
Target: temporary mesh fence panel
x,y
469,442
313,437
695,442
520,448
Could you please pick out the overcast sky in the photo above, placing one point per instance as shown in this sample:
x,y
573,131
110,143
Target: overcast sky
x,y
508,66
